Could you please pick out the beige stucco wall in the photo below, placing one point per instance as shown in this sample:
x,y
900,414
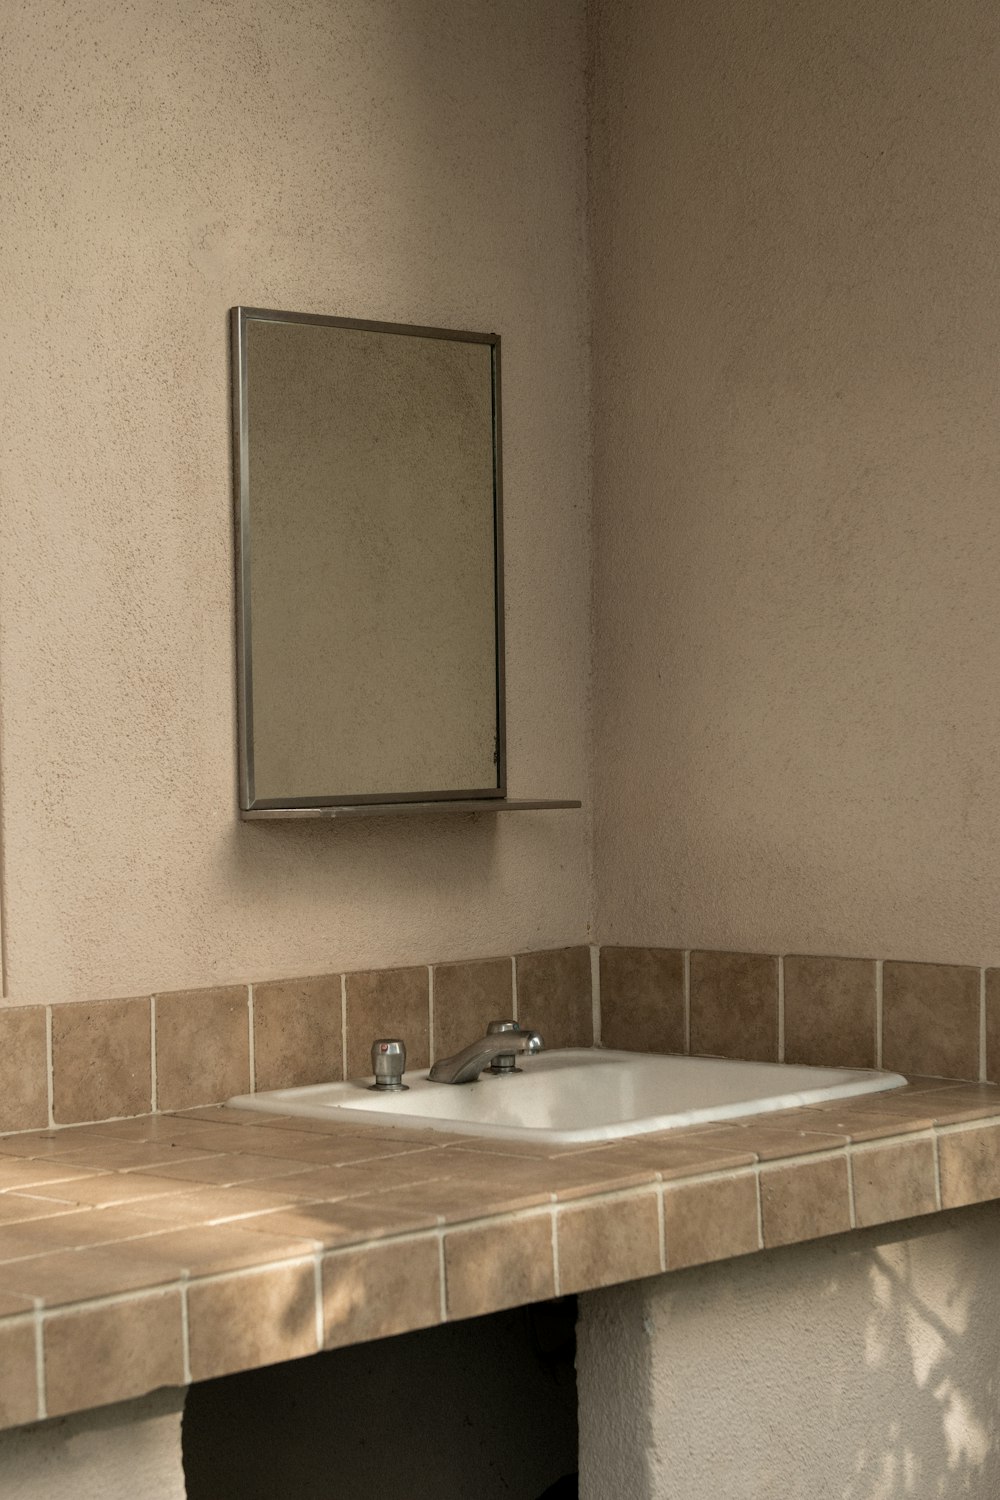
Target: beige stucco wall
x,y
797,453
863,1367
131,1451
412,162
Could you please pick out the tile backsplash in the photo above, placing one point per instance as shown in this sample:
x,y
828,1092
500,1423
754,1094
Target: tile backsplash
x,y
931,1019
555,995
734,1005
938,1020
830,1010
96,1060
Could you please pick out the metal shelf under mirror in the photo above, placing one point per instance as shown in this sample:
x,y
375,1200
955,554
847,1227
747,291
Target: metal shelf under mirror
x,y
473,805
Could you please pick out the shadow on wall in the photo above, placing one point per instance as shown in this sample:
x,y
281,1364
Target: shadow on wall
x,y
863,1367
932,1360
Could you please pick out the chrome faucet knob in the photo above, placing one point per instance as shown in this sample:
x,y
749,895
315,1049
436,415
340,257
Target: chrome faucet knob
x,y
506,1062
388,1065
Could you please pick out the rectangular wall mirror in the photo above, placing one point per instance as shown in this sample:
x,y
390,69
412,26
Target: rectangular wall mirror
x,y
369,567
370,616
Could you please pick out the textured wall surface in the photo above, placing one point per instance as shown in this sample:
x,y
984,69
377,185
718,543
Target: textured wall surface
x,y
411,162
127,1452
796,460
860,1368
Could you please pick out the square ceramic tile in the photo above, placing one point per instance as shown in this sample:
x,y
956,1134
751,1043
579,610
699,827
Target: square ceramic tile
x,y
708,1221
381,1290
99,1355
830,1011
894,1182
245,1321
298,1032
642,999
467,997
930,1019
101,1060
608,1240
499,1265
24,1086
805,1201
387,1003
555,996
734,1005
202,1046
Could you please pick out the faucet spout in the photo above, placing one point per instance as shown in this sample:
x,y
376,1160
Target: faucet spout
x,y
466,1066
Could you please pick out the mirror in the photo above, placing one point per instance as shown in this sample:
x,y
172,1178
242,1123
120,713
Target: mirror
x,y
369,562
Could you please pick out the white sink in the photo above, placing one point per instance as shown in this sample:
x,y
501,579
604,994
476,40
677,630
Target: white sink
x,y
579,1094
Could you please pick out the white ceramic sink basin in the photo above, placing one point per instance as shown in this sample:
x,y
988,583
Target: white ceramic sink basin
x,y
579,1095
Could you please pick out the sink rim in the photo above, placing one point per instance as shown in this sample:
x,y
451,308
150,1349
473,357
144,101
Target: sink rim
x,y
303,1102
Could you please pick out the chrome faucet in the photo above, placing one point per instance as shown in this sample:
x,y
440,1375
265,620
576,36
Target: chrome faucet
x,y
504,1040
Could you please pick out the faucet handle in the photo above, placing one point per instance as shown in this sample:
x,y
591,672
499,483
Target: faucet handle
x,y
388,1065
506,1062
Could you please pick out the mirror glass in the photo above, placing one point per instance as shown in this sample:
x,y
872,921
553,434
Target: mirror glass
x,y
369,532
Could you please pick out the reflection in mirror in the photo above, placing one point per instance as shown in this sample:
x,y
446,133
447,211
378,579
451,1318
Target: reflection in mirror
x,y
368,478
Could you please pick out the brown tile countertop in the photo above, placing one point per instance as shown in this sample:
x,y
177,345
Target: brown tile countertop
x,y
168,1248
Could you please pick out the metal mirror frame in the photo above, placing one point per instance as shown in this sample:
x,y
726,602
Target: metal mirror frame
x,y
276,806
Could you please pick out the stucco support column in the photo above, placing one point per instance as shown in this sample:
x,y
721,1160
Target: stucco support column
x,y
864,1367
131,1451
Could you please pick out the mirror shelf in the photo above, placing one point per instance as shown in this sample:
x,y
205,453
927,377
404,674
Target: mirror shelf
x,y
407,809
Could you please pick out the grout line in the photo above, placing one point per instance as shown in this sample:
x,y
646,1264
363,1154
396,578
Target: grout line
x,y
595,991
661,1227
251,1046
471,1226
306,1257
863,1148
937,1172
183,1280
687,1002
179,1283
41,1398
760,1209
639,1190
851,1209
956,1127
781,1007
343,1025
982,1026
696,1179
430,1012
318,1287
185,1335
442,1277
513,987
406,1237
785,1163
555,1253
48,1065
878,1013
152,1052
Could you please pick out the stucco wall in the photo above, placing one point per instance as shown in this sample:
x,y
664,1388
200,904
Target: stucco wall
x,y
864,1367
131,1451
412,162
797,452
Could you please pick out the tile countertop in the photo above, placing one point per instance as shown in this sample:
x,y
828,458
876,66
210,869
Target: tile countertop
x,y
169,1248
